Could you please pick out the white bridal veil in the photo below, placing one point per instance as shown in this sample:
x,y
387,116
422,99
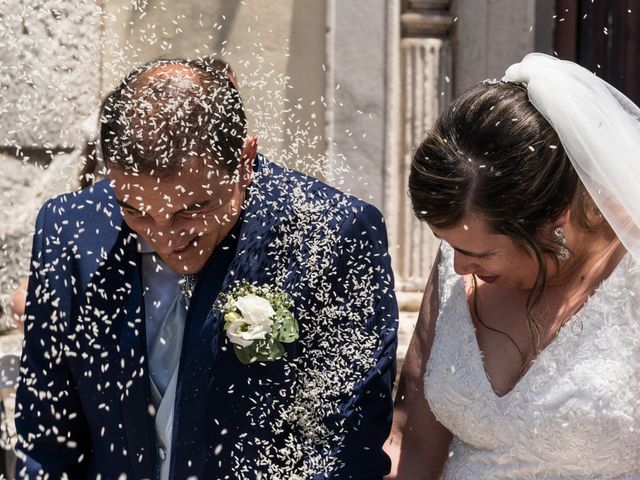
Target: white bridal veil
x,y
600,131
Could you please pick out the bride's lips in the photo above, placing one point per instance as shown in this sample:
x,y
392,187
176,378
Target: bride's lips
x,y
488,279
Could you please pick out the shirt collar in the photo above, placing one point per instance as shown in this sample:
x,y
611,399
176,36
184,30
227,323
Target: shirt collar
x,y
144,246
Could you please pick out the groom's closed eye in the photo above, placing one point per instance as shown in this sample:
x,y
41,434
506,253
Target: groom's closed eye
x,y
130,209
194,209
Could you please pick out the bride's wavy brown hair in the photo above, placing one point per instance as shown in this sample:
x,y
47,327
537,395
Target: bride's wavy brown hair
x,y
493,154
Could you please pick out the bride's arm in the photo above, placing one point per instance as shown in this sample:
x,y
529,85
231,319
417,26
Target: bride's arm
x,y
418,443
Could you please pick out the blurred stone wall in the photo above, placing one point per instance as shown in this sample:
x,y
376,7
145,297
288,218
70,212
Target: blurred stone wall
x,y
50,63
490,35
50,70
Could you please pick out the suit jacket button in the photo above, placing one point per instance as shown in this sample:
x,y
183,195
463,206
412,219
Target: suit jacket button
x,y
162,452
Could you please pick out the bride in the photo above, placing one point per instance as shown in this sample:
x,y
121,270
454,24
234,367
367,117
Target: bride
x,y
525,362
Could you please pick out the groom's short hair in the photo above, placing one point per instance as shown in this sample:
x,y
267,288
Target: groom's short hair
x,y
168,111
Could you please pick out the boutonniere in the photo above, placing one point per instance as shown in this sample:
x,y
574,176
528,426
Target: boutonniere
x,y
258,320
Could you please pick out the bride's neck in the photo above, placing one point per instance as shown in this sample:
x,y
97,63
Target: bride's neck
x,y
592,255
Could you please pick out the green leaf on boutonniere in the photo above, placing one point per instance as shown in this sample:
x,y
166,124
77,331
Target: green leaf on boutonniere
x,y
258,320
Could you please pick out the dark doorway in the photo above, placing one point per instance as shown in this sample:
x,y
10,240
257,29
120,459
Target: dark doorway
x,y
603,36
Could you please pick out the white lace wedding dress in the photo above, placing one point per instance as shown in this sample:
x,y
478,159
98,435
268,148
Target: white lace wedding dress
x,y
574,415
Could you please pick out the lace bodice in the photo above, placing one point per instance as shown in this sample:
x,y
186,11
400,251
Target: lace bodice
x,y
575,414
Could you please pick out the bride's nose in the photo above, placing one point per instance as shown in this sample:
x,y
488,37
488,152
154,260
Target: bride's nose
x,y
464,265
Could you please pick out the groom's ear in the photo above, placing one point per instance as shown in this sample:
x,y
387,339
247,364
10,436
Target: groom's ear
x,y
249,152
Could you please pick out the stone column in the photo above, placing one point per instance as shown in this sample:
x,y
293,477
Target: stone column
x,y
425,72
418,89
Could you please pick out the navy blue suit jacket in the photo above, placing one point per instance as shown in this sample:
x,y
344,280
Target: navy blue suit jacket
x,y
322,411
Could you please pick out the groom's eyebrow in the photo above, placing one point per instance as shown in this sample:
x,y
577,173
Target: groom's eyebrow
x,y
124,204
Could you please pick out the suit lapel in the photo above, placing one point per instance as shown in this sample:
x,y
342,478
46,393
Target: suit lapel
x,y
190,434
192,439
257,229
136,398
114,304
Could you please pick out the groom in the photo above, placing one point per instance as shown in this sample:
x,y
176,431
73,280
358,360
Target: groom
x,y
134,367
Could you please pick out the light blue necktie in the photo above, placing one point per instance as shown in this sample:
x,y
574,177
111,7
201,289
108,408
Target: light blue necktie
x,y
164,352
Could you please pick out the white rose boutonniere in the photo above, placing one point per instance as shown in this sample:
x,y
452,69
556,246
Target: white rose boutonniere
x,y
258,320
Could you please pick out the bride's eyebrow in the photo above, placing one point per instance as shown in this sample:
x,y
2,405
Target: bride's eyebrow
x,y
471,254
466,252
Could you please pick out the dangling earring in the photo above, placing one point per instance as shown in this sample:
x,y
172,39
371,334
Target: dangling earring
x,y
564,253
